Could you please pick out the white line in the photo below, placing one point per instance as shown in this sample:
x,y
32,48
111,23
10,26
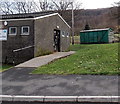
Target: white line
x,y
95,30
49,15
17,19
63,20
61,98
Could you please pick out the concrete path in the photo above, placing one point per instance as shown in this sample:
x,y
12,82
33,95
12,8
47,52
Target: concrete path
x,y
18,81
42,60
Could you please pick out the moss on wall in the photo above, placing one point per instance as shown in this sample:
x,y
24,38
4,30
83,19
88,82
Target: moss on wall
x,y
41,52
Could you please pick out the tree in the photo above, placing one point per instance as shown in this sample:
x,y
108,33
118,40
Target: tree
x,y
65,4
87,27
43,5
61,4
117,4
29,6
16,6
6,7
26,6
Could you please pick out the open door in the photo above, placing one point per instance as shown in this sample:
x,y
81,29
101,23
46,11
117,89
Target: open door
x,y
57,40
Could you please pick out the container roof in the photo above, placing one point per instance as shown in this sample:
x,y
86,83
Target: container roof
x,y
96,30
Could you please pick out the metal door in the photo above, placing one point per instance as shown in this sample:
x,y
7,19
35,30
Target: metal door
x,y
57,40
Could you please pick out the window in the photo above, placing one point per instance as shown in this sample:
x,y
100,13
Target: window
x,y
25,30
67,34
63,33
12,30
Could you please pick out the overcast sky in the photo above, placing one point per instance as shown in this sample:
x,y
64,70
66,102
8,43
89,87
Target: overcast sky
x,y
94,4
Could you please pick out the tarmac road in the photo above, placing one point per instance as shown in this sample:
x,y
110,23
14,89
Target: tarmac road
x,y
18,81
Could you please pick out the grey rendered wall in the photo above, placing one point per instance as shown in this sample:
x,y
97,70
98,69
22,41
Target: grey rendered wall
x,y
44,33
65,41
18,41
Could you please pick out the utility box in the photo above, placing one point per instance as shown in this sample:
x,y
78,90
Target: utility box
x,y
96,36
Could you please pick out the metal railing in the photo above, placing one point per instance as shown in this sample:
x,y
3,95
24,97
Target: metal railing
x,y
20,49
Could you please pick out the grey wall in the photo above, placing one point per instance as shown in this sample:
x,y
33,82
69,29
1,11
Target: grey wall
x,y
18,41
44,34
65,41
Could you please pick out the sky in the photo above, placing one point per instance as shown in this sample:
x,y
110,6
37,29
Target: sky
x,y
94,4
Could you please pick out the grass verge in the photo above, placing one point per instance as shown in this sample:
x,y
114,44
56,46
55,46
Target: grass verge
x,y
5,67
94,59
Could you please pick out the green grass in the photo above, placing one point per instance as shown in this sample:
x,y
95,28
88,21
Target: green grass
x,y
5,67
99,59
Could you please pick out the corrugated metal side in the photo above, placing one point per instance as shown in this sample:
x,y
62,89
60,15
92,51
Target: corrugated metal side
x,y
94,36
103,36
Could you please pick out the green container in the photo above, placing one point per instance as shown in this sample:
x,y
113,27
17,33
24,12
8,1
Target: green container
x,y
96,36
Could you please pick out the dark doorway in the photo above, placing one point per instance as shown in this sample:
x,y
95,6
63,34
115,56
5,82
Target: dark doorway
x,y
57,40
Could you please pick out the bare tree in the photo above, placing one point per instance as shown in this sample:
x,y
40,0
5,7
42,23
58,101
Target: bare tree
x,y
61,4
29,6
115,14
24,6
77,5
17,6
117,4
6,7
43,5
65,4
116,11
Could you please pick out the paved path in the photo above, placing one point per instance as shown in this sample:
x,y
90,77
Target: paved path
x,y
42,60
18,81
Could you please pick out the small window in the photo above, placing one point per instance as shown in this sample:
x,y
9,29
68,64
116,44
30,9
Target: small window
x,y
63,33
25,30
68,34
12,30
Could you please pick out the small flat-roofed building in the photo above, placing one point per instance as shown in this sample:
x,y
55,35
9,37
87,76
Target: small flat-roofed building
x,y
24,36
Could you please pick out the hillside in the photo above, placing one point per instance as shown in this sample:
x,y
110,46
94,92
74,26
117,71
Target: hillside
x,y
96,18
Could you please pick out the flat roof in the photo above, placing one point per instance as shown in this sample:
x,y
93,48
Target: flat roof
x,y
95,30
28,17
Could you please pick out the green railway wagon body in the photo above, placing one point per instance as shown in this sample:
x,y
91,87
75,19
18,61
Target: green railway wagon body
x,y
96,36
